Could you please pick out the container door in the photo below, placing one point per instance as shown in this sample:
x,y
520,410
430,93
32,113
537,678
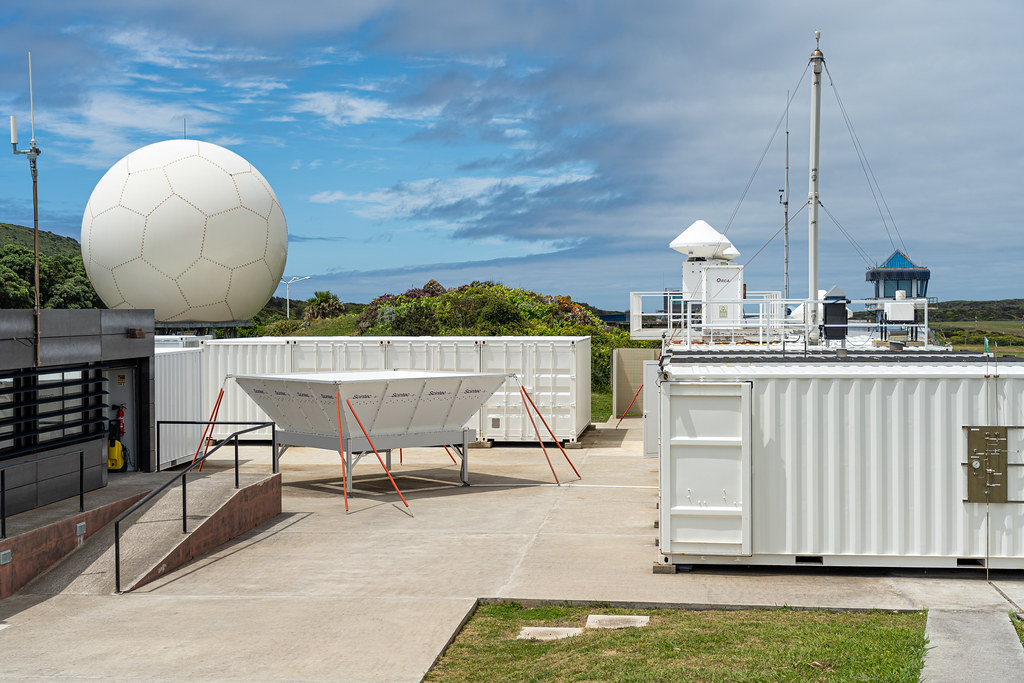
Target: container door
x,y
705,468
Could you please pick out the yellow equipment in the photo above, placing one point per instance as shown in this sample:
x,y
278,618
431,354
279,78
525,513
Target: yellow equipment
x,y
115,455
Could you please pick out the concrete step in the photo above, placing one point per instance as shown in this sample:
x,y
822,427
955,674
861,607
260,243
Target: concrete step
x,y
148,538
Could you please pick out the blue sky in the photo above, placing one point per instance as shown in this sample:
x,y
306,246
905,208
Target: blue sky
x,y
557,146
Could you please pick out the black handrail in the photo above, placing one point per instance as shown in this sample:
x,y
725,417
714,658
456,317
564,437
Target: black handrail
x,y
273,434
181,475
3,483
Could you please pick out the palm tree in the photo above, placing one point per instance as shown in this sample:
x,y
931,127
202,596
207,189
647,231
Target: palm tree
x,y
323,305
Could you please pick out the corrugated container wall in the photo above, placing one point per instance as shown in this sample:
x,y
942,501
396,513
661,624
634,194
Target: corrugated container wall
x,y
178,387
240,357
844,466
555,370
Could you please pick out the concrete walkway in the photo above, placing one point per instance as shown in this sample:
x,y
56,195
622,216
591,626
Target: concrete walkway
x,y
376,594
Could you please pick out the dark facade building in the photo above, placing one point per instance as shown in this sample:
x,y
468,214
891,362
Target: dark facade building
x,y
94,366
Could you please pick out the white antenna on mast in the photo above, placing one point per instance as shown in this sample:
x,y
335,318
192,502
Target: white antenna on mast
x,y
32,153
31,101
784,200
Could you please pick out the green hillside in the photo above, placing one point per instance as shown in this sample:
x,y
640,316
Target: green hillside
x,y
50,244
1003,309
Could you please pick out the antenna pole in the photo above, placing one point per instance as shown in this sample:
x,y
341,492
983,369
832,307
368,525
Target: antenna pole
x,y
32,153
817,61
785,209
31,101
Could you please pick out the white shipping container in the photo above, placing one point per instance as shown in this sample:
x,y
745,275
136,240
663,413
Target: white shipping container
x,y
836,464
555,370
178,390
448,354
179,341
333,354
253,356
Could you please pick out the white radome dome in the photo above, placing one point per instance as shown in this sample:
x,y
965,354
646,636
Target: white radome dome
x,y
187,228
700,240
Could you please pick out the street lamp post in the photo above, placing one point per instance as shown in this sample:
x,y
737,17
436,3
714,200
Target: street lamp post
x,y
287,294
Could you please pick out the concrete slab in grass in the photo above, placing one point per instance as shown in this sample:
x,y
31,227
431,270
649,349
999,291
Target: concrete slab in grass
x,y
617,621
547,633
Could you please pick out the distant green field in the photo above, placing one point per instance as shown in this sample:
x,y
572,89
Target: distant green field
x,y
1015,327
1005,337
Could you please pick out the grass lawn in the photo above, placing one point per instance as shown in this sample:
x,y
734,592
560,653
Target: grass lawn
x,y
747,645
600,406
1018,625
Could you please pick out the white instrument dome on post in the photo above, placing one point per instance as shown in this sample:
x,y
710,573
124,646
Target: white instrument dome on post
x,y
701,241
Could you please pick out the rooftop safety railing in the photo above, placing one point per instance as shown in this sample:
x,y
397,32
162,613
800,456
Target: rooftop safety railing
x,y
765,319
197,462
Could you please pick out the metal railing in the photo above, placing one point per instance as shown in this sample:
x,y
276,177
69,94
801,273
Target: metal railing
x,y
3,483
762,319
182,476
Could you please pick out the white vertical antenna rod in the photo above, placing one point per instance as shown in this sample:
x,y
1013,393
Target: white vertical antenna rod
x,y
785,208
32,153
31,101
817,61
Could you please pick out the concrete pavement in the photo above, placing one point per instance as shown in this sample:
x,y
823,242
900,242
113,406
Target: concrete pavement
x,y
376,594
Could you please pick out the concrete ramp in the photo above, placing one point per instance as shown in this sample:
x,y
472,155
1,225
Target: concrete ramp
x,y
152,542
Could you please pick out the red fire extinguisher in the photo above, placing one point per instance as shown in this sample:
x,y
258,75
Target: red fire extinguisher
x,y
116,452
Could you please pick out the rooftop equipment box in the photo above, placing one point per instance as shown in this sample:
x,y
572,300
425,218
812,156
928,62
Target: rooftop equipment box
x,y
839,463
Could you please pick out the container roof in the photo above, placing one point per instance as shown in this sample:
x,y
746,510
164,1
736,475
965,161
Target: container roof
x,y
699,365
853,356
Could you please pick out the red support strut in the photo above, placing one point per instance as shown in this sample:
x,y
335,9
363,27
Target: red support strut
x,y
553,437
522,393
630,405
379,459
208,431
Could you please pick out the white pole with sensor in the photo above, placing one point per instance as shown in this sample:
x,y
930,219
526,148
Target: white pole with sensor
x,y
287,294
32,153
817,61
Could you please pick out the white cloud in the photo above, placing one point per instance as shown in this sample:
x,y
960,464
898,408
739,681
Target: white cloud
x,y
182,90
345,109
109,125
228,141
176,52
341,109
418,197
258,87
